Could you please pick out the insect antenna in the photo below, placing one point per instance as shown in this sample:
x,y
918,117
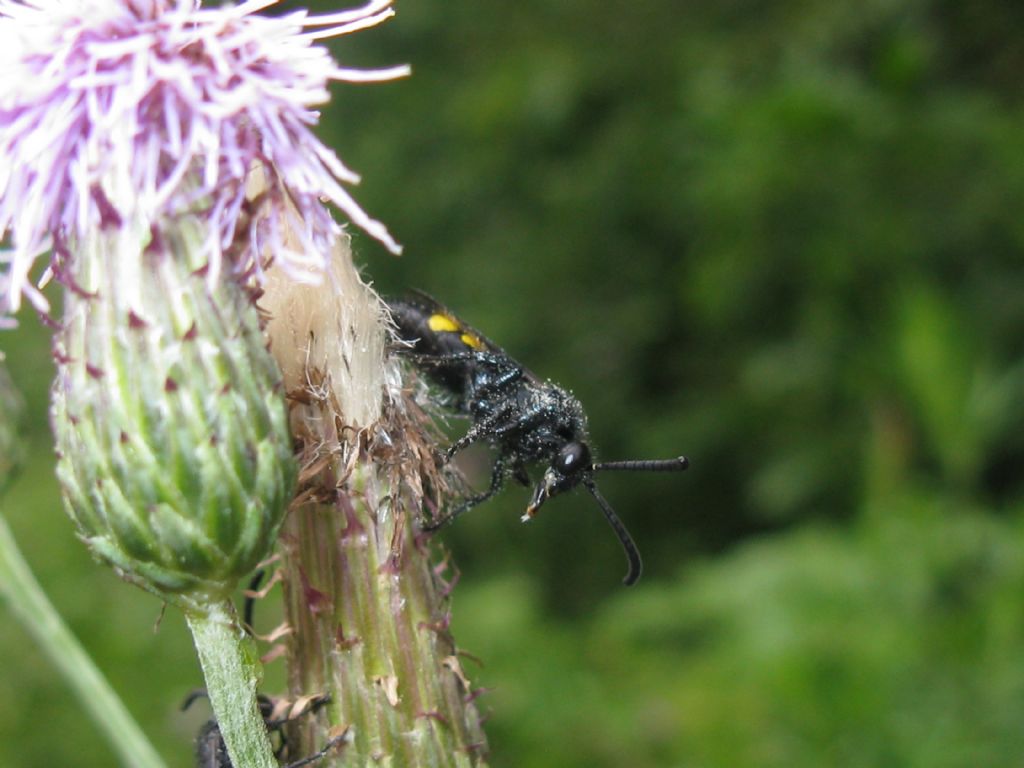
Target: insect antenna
x,y
636,565
678,464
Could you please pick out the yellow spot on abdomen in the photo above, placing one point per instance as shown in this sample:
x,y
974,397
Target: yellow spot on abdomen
x,y
471,341
448,324
438,323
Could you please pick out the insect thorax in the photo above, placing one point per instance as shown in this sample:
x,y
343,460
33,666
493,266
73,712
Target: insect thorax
x,y
539,418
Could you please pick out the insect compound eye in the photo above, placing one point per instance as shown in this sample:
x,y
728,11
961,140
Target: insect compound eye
x,y
572,458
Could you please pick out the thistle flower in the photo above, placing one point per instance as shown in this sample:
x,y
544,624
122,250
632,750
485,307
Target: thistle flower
x,y
129,132
152,109
130,135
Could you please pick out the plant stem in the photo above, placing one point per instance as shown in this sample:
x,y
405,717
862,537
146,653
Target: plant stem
x,y
368,610
371,630
30,605
232,672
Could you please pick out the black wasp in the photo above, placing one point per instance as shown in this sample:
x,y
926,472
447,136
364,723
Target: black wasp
x,y
525,418
212,752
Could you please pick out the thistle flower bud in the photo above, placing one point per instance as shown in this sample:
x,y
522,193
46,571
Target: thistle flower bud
x,y
173,449
10,416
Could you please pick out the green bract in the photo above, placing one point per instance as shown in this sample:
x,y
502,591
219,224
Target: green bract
x,y
173,448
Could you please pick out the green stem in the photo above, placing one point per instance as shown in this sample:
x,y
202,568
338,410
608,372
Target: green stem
x,y
30,605
232,672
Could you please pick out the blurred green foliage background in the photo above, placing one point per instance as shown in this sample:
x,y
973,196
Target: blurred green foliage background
x,y
782,237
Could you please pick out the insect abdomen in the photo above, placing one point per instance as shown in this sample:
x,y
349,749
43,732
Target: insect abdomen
x,y
445,348
433,331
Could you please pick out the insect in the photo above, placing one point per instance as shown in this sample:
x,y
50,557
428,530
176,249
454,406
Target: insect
x,y
526,419
212,752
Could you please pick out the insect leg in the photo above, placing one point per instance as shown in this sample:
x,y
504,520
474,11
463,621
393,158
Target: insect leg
x,y
199,693
318,756
317,703
250,602
486,426
497,480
